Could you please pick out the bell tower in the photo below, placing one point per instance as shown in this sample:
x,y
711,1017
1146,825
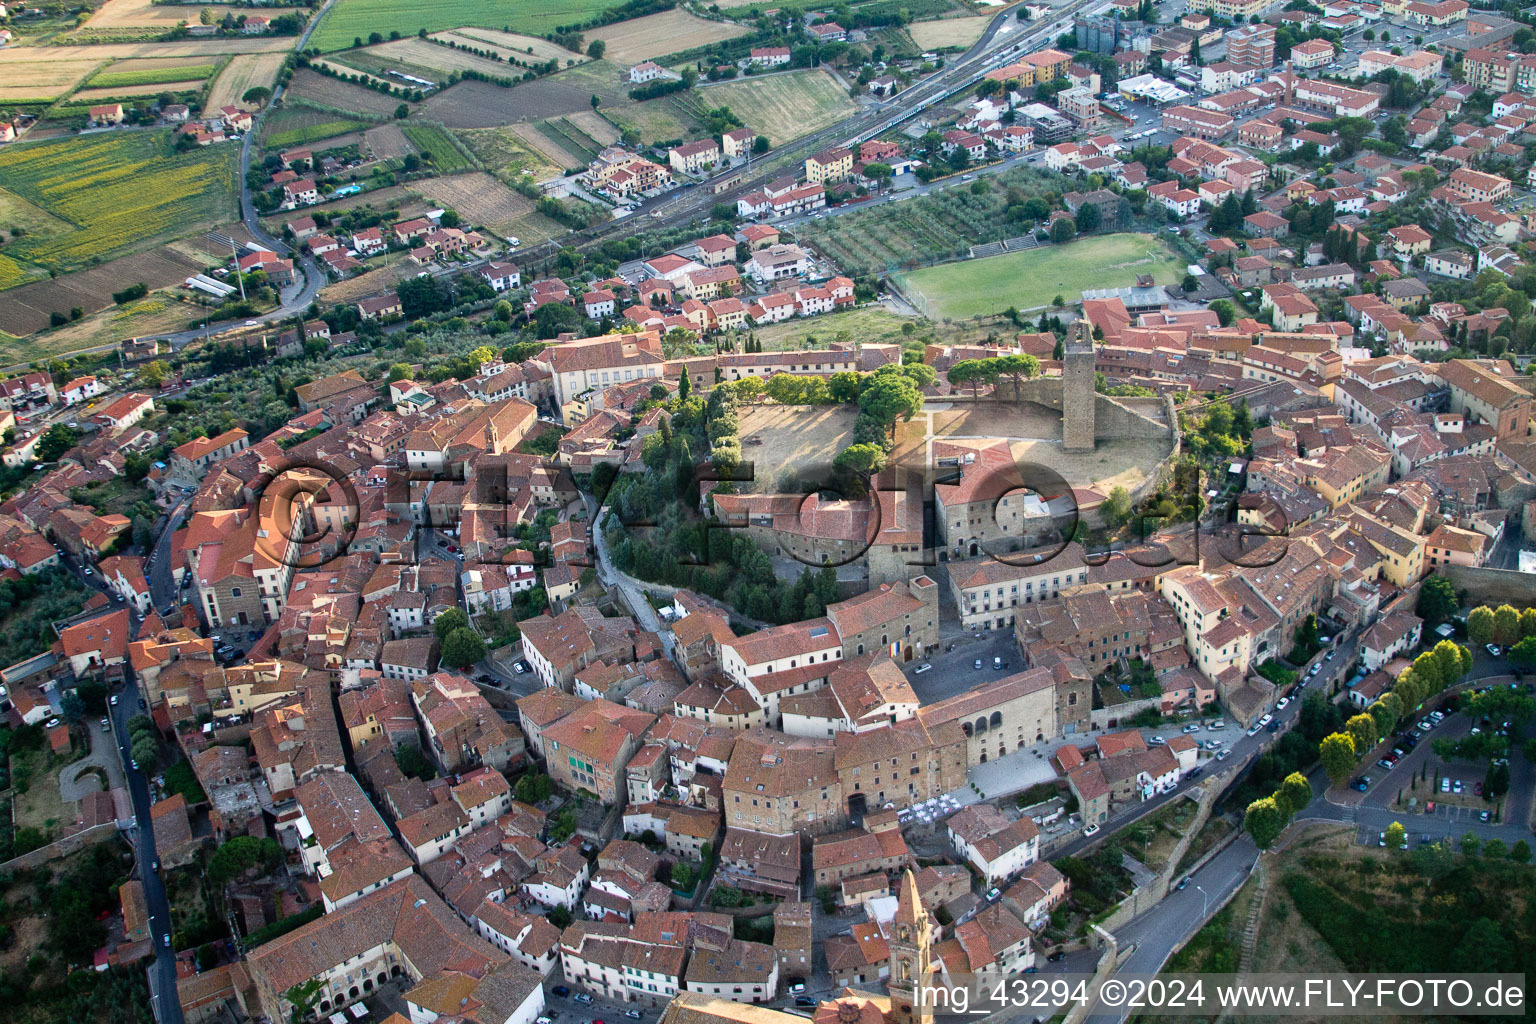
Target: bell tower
x,y
910,945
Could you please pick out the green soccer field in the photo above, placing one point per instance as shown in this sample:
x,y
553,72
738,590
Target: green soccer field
x,y
1034,278
352,19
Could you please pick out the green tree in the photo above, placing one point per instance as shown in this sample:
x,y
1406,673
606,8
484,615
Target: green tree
x,y
1437,599
1480,625
1337,752
56,440
1264,821
463,648
1396,835
863,458
596,49
1520,853
1523,654
1506,625
1362,730
1294,794
1224,310
888,397
1469,845
400,371
256,95
1116,508
448,621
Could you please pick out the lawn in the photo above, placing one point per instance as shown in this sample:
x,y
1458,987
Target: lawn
x,y
434,141
1032,279
350,19
118,191
783,107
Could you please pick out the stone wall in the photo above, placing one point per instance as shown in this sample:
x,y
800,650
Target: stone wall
x,y
1492,586
61,847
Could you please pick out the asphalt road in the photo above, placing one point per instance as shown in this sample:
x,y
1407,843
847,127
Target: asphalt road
x,y
162,972
1181,914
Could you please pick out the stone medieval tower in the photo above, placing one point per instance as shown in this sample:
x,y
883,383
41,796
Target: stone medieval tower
x,y
911,956
1077,392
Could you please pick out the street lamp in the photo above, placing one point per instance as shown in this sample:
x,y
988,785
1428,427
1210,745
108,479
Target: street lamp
x,y
1205,902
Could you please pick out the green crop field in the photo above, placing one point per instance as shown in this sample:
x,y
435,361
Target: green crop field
x,y
351,19
1033,278
117,192
303,135
447,158
152,76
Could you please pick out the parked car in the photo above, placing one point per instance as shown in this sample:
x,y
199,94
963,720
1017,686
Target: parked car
x,y
797,987
1482,816
977,664
997,662
1156,741
1183,882
583,998
1057,956
993,894
1091,830
1384,764
924,667
1492,649
114,700
1266,719
1280,705
1191,727
1445,784
1362,784
561,991
106,726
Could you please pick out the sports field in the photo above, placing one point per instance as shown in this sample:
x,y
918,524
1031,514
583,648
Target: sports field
x,y
782,107
351,19
1033,278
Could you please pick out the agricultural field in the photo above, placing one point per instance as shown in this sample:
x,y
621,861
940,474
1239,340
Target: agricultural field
x,y
931,228
43,79
241,74
142,14
961,32
596,127
95,95
121,191
657,35
566,135
26,308
200,49
158,72
1031,279
420,58
320,91
782,107
508,155
386,142
433,141
351,19
526,48
299,126
478,198
481,105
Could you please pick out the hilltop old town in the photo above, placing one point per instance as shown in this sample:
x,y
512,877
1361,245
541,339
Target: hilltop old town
x,y
697,513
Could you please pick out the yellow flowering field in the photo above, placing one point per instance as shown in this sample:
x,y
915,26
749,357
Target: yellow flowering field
x,y
120,191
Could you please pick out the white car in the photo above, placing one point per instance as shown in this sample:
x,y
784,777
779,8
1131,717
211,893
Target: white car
x,y
1091,830
1281,703
924,667
1266,720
